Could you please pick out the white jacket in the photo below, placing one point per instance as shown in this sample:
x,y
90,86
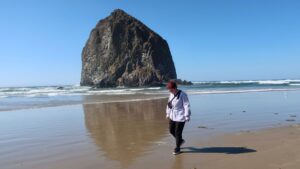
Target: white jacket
x,y
180,108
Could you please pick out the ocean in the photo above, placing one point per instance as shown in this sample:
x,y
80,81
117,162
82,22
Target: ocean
x,y
61,127
15,98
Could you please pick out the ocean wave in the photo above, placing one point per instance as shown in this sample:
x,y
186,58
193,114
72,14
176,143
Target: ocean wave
x,y
249,82
53,94
239,91
42,91
225,82
139,89
108,91
237,82
153,88
276,82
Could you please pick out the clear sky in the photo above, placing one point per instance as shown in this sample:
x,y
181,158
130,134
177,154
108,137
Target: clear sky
x,y
41,40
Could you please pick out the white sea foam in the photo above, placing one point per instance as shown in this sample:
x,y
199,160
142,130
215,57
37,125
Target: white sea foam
x,y
139,89
261,82
294,80
53,94
108,91
276,82
31,95
226,82
153,88
237,82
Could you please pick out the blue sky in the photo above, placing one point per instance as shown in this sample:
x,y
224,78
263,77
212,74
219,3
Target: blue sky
x,y
41,41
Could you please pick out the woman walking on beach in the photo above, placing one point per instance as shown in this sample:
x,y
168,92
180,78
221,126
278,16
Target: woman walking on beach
x,y
178,112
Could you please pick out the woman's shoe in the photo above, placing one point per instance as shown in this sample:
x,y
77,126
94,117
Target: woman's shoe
x,y
176,151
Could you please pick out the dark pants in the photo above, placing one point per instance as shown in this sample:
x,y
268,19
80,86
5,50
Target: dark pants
x,y
176,129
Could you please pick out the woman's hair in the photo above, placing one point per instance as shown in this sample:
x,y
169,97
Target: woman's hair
x,y
172,84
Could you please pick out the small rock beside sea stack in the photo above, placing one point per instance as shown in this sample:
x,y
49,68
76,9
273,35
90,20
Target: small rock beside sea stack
x,y
122,51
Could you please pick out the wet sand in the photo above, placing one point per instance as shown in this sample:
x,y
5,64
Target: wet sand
x,y
264,149
253,130
276,148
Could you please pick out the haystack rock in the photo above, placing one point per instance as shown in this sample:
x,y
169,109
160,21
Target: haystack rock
x,y
122,51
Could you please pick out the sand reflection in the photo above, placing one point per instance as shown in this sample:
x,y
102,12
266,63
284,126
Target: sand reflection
x,y
126,130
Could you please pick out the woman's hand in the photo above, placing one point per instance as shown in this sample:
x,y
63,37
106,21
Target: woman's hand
x,y
187,119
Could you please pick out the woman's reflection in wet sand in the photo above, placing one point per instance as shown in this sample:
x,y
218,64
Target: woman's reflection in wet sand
x,y
126,130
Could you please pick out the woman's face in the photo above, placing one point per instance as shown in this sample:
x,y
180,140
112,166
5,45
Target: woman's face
x,y
172,90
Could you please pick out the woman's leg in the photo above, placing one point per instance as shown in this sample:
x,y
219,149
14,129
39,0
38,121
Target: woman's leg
x,y
178,133
172,127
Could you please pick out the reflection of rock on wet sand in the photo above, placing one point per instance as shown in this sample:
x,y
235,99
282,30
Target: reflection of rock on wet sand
x,y
124,130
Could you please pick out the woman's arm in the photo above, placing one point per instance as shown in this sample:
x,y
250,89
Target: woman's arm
x,y
186,105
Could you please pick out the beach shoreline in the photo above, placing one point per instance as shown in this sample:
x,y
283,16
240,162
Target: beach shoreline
x,y
226,131
17,98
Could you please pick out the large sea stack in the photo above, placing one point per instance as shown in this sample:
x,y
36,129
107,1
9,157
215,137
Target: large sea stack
x,y
122,51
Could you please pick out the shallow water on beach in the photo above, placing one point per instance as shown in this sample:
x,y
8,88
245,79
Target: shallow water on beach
x,y
131,134
17,98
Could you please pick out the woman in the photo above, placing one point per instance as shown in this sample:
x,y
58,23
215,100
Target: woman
x,y
178,112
